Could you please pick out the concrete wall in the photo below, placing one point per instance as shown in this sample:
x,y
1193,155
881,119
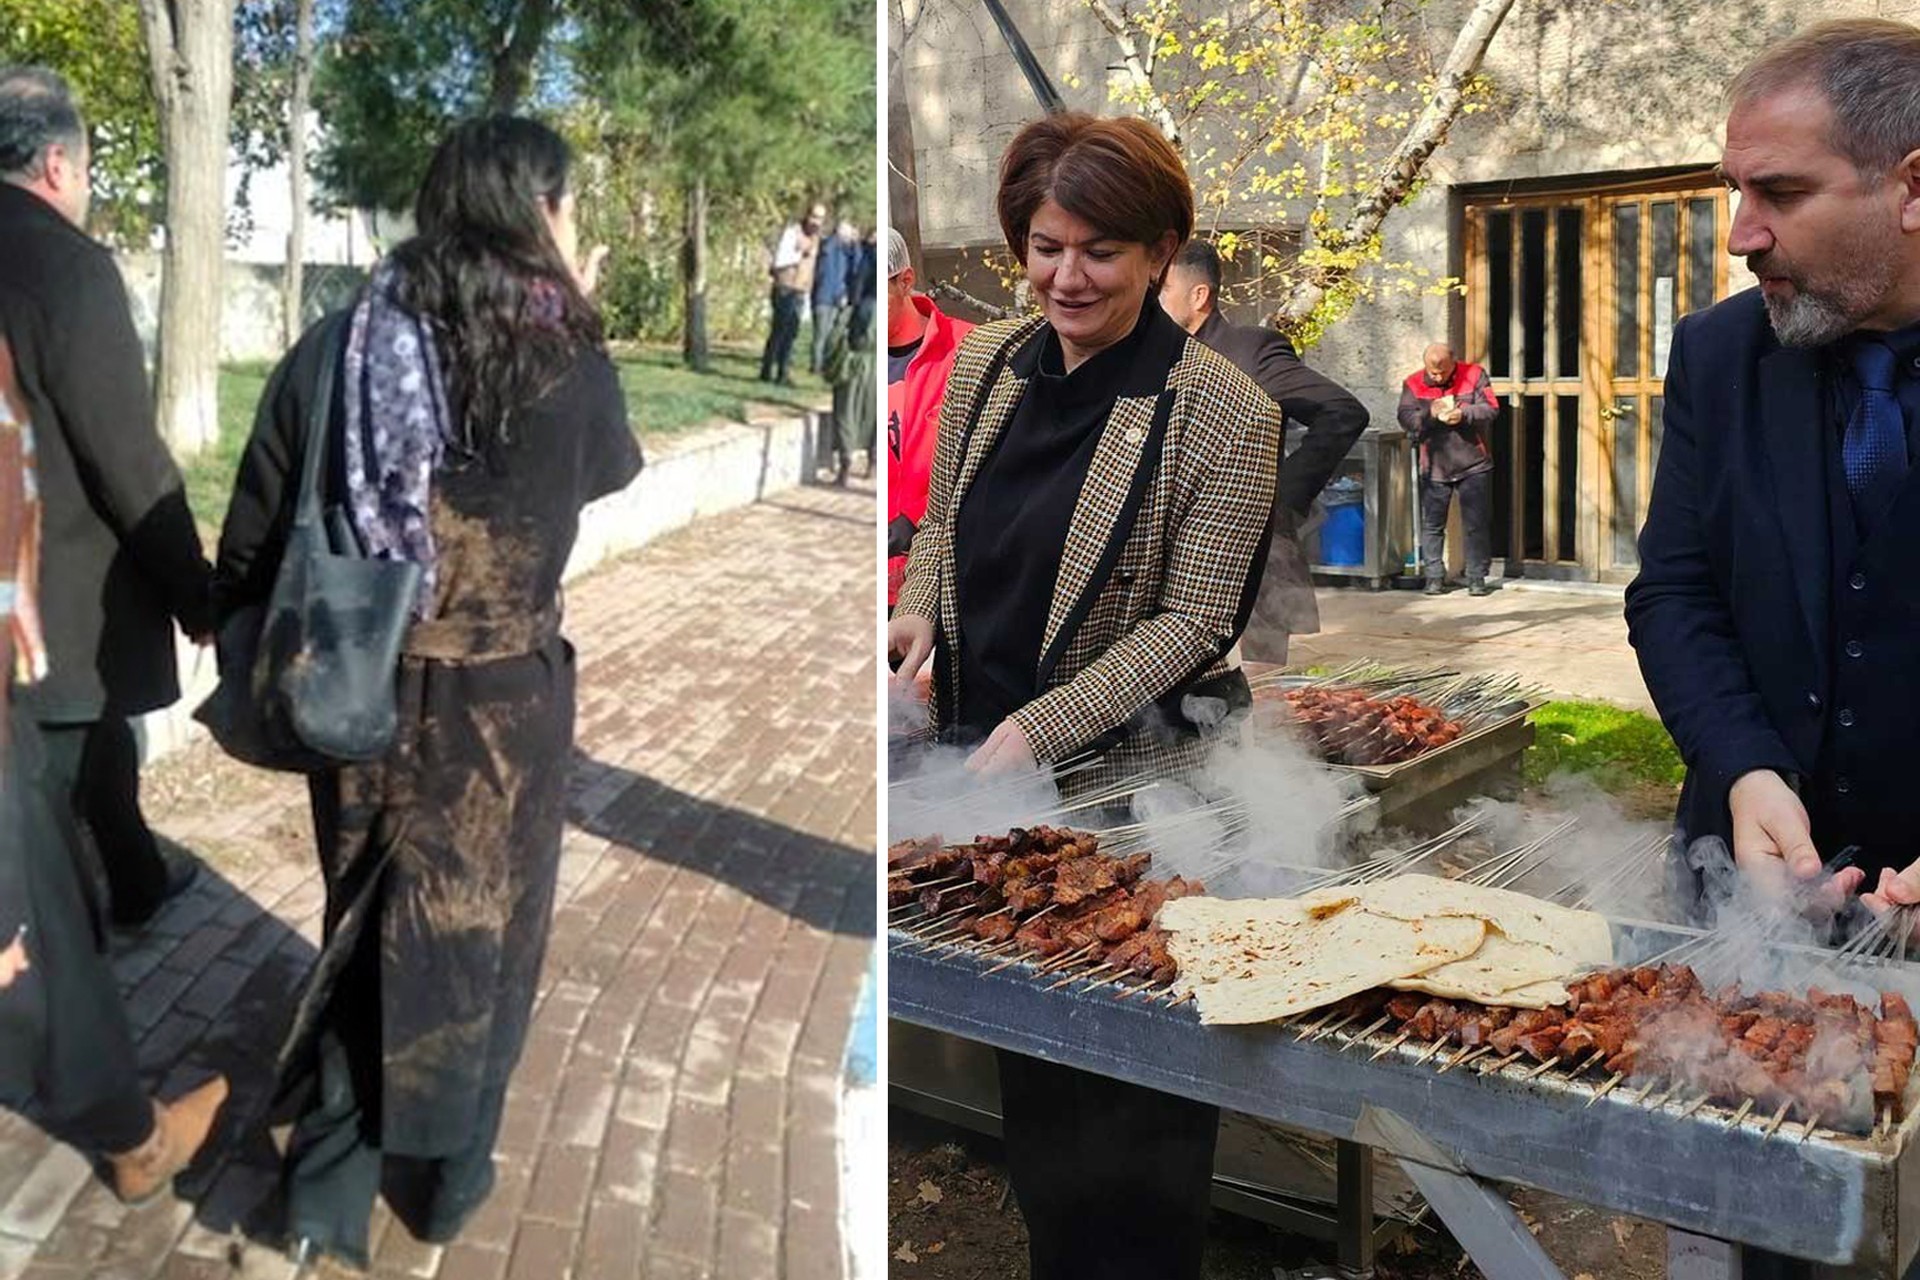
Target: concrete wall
x,y
250,324
1584,87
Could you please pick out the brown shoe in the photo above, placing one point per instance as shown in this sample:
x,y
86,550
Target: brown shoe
x,y
180,1129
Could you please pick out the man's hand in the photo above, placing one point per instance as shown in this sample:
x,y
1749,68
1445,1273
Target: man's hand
x,y
1006,751
13,960
1773,842
1896,889
1452,416
910,639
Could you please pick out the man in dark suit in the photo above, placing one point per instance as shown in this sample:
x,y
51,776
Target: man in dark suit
x,y
1333,418
123,559
1776,616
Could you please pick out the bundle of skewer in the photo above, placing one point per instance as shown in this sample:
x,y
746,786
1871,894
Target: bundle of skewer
x,y
1054,900
1367,714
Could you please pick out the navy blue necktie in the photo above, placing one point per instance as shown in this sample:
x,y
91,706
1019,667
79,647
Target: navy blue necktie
x,y
1875,447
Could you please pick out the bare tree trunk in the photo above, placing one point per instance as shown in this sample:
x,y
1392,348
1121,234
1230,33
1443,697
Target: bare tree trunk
x,y
292,280
1139,68
693,275
513,59
1410,158
903,184
190,55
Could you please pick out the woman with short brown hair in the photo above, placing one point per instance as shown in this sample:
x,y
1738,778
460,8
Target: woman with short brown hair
x,y
1102,489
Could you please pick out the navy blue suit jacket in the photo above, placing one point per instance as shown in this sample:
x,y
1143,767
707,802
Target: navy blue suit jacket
x,y
1732,614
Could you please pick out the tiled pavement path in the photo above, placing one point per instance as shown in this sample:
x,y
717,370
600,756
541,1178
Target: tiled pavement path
x,y
674,1113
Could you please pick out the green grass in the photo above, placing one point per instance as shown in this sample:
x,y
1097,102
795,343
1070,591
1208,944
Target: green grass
x,y
1618,748
664,398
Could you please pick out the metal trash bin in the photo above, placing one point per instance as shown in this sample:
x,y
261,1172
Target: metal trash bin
x,y
1377,467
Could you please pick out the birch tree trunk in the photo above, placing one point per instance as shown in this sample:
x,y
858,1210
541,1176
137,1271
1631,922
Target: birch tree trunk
x,y
1409,159
292,281
190,56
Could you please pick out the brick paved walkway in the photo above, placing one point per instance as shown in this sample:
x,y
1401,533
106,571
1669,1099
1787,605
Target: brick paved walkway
x,y
674,1114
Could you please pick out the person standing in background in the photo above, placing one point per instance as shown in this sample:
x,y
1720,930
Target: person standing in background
x,y
123,555
922,342
1334,419
795,259
1446,408
832,288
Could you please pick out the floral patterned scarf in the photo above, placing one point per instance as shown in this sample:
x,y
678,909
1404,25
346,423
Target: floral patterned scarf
x,y
397,427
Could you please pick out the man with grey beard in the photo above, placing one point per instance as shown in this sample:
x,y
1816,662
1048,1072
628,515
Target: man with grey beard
x,y
1776,615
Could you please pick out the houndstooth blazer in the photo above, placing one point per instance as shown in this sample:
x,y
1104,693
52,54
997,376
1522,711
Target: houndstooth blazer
x,y
1175,588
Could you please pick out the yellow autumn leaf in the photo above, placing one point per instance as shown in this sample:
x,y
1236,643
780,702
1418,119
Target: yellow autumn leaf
x,y
929,1193
905,1253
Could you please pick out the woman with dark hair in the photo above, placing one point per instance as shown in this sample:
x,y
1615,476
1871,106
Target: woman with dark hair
x,y
1102,489
475,413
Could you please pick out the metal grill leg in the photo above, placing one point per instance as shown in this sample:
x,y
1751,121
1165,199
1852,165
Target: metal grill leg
x,y
1484,1223
1354,1163
1691,1257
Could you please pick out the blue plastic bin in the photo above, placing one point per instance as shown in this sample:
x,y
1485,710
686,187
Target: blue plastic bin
x,y
1343,538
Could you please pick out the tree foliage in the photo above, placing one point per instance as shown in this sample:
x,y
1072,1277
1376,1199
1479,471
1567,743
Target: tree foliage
x,y
399,72
98,46
1296,119
762,107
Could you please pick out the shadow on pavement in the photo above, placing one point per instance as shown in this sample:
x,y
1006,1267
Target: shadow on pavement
x,y
773,863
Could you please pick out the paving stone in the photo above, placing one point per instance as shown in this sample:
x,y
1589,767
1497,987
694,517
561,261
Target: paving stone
x,y
708,944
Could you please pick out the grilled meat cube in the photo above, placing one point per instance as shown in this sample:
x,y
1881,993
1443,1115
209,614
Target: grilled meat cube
x,y
1540,1045
1765,1032
1404,1005
1646,978
1081,879
946,898
904,854
1577,1039
996,928
1026,896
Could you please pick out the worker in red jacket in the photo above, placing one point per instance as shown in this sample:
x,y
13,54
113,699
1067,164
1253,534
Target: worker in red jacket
x,y
921,344
1446,408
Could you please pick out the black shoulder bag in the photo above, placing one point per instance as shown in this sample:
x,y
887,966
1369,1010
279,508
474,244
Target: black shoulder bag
x,y
307,680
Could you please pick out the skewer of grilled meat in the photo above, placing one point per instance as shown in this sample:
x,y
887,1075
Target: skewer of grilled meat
x,y
1827,1055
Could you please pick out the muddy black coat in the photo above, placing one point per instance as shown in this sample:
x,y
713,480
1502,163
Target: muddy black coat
x,y
472,797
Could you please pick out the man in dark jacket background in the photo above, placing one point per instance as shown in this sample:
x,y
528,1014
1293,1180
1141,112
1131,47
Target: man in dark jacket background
x,y
1332,416
1446,409
122,557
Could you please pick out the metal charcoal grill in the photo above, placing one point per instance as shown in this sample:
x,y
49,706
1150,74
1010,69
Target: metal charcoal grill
x,y
1492,710
1722,1177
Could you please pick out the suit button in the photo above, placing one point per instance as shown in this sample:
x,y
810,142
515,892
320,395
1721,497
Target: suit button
x,y
1813,700
1858,582
1845,717
1854,649
1843,784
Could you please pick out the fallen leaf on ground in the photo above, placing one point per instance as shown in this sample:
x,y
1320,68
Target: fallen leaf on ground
x,y
1584,1275
905,1253
1622,1231
929,1193
936,1246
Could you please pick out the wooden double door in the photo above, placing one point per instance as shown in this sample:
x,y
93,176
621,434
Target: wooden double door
x,y
1571,303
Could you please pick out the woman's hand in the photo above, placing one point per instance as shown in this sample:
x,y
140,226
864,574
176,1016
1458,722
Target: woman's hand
x,y
1006,751
586,273
910,639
